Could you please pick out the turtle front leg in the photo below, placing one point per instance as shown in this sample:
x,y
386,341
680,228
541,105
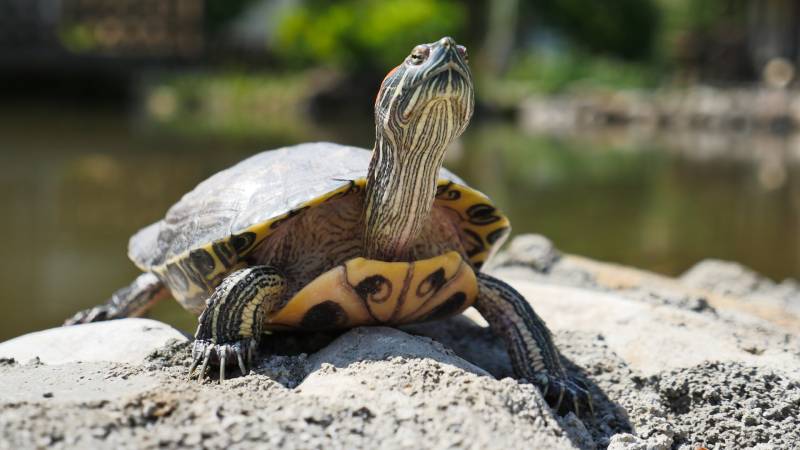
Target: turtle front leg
x,y
231,324
530,346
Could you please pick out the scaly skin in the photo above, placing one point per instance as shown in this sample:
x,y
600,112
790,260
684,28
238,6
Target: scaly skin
x,y
422,106
529,344
231,323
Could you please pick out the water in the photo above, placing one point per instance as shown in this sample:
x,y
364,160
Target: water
x,y
74,185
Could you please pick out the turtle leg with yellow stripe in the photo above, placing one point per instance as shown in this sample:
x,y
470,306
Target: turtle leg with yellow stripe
x,y
323,236
529,344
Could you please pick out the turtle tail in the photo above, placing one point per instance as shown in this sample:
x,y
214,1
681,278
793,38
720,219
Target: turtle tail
x,y
133,300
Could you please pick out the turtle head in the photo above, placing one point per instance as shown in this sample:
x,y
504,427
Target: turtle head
x,y
422,105
428,96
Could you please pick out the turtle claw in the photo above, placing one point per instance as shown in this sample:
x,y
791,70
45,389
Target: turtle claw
x,y
242,366
565,394
95,314
205,352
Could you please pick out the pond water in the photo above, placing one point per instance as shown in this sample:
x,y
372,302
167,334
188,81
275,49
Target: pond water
x,y
74,185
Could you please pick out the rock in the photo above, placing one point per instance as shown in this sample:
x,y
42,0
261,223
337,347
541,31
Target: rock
x,y
735,406
358,393
469,336
529,250
733,279
72,382
428,394
126,340
669,364
625,441
726,278
776,303
380,343
653,338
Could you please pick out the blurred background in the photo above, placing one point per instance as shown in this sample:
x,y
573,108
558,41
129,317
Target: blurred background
x,y
652,133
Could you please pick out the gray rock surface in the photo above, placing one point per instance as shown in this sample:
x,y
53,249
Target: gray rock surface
x,y
533,251
710,286
670,366
127,341
421,395
733,279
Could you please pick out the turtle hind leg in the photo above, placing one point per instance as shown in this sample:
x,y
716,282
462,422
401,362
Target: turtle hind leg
x,y
530,346
229,327
133,300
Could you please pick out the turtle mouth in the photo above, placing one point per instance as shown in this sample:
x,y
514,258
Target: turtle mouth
x,y
450,73
450,66
448,82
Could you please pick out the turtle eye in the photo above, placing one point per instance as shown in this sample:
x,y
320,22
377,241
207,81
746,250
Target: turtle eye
x,y
419,54
463,52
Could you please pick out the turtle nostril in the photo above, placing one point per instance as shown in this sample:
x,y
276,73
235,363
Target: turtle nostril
x,y
447,42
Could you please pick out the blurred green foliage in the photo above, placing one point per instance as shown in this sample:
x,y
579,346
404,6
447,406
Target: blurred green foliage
x,y
231,104
692,14
614,43
77,38
358,35
685,18
552,72
540,72
554,45
364,34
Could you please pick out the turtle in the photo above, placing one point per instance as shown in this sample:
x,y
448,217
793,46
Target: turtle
x,y
322,236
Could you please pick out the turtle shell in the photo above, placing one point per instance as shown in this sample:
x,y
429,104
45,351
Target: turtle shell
x,y
214,227
369,292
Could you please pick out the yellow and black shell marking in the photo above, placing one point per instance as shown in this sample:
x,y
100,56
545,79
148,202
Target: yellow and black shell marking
x,y
371,292
483,227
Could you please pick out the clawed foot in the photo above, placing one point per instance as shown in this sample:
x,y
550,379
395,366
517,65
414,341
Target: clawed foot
x,y
565,394
96,314
205,351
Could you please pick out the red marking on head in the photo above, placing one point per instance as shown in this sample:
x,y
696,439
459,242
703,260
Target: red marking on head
x,y
391,72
